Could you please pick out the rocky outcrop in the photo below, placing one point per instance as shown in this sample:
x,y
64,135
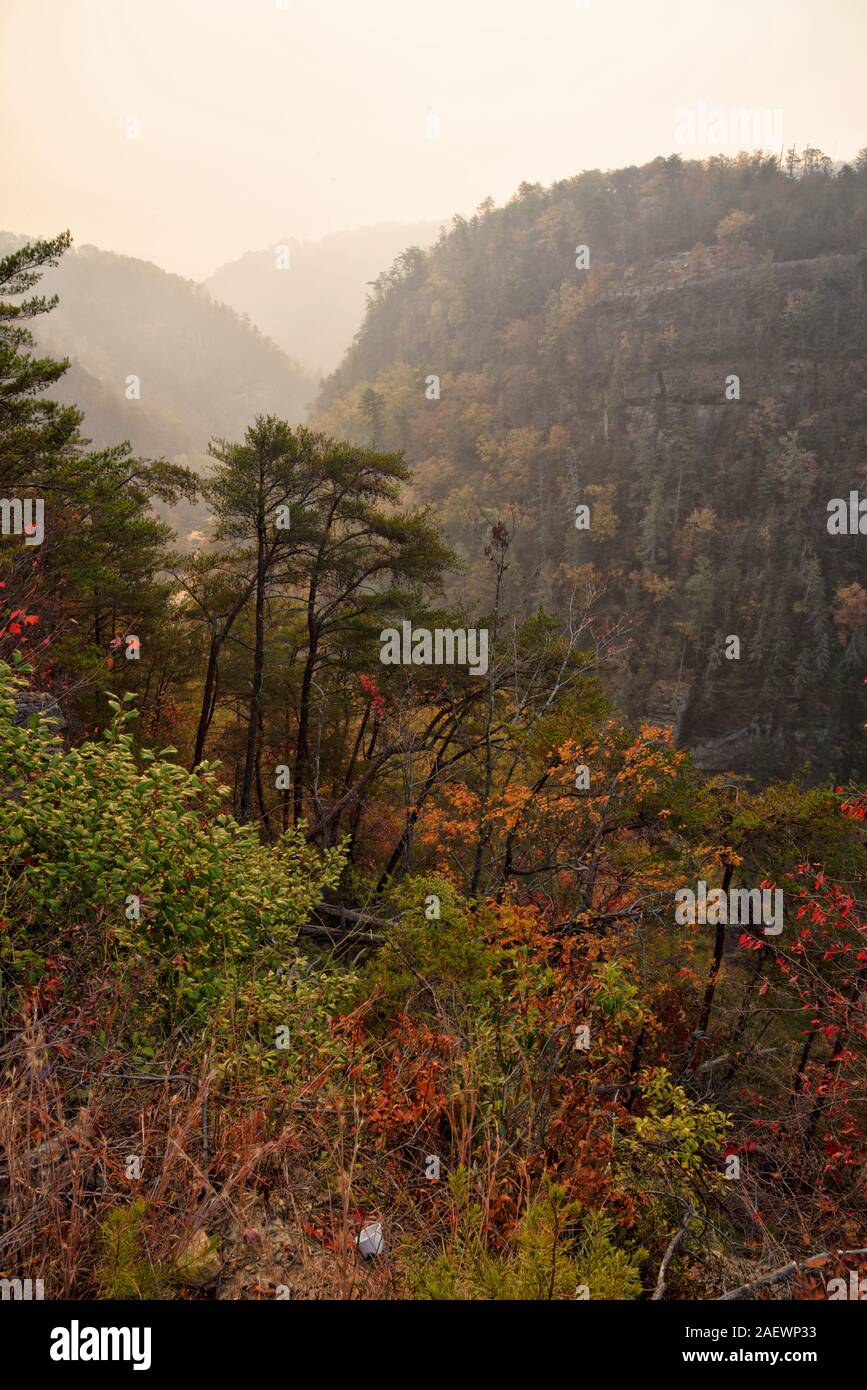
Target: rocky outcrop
x,y
40,703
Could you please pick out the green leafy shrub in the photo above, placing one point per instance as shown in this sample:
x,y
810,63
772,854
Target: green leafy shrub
x,y
616,995
89,830
126,1270
674,1129
448,952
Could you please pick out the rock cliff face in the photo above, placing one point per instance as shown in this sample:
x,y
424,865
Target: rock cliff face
x,y
794,335
705,400
35,702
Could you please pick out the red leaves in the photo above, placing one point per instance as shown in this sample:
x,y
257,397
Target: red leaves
x,y
855,807
371,690
750,943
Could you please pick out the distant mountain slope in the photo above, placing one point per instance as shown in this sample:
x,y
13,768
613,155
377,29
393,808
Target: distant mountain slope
x,y
696,377
313,308
202,370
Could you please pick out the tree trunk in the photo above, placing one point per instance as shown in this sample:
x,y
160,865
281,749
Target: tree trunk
x,y
713,974
260,789
258,668
302,752
207,709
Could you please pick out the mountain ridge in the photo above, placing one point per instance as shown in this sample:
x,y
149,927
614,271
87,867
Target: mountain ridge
x,y
605,385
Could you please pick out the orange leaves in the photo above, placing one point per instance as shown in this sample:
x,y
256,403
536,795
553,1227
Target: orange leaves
x,y
508,813
410,1090
453,822
850,611
855,807
352,1027
19,618
717,857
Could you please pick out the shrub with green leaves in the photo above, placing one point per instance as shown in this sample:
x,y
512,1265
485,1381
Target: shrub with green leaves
x,y
674,1129
449,951
672,1152
95,833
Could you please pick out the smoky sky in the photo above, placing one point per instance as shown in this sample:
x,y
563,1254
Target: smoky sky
x,y
190,131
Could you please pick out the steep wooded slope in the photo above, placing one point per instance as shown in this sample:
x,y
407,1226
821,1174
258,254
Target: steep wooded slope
x,y
611,387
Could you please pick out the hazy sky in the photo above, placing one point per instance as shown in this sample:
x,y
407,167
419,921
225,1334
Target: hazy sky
x,y
264,119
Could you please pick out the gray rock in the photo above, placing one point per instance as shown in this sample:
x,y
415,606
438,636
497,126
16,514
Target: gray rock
x,y
38,702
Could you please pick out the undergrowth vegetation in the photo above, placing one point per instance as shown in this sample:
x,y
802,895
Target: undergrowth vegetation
x,y
188,1086
328,977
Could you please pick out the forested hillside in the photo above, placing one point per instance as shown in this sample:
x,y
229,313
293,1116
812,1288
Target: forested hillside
x,y
355,943
681,349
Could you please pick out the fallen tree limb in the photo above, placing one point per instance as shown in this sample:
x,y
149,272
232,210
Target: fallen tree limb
x,y
786,1271
349,926
666,1261
616,1087
349,914
334,934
